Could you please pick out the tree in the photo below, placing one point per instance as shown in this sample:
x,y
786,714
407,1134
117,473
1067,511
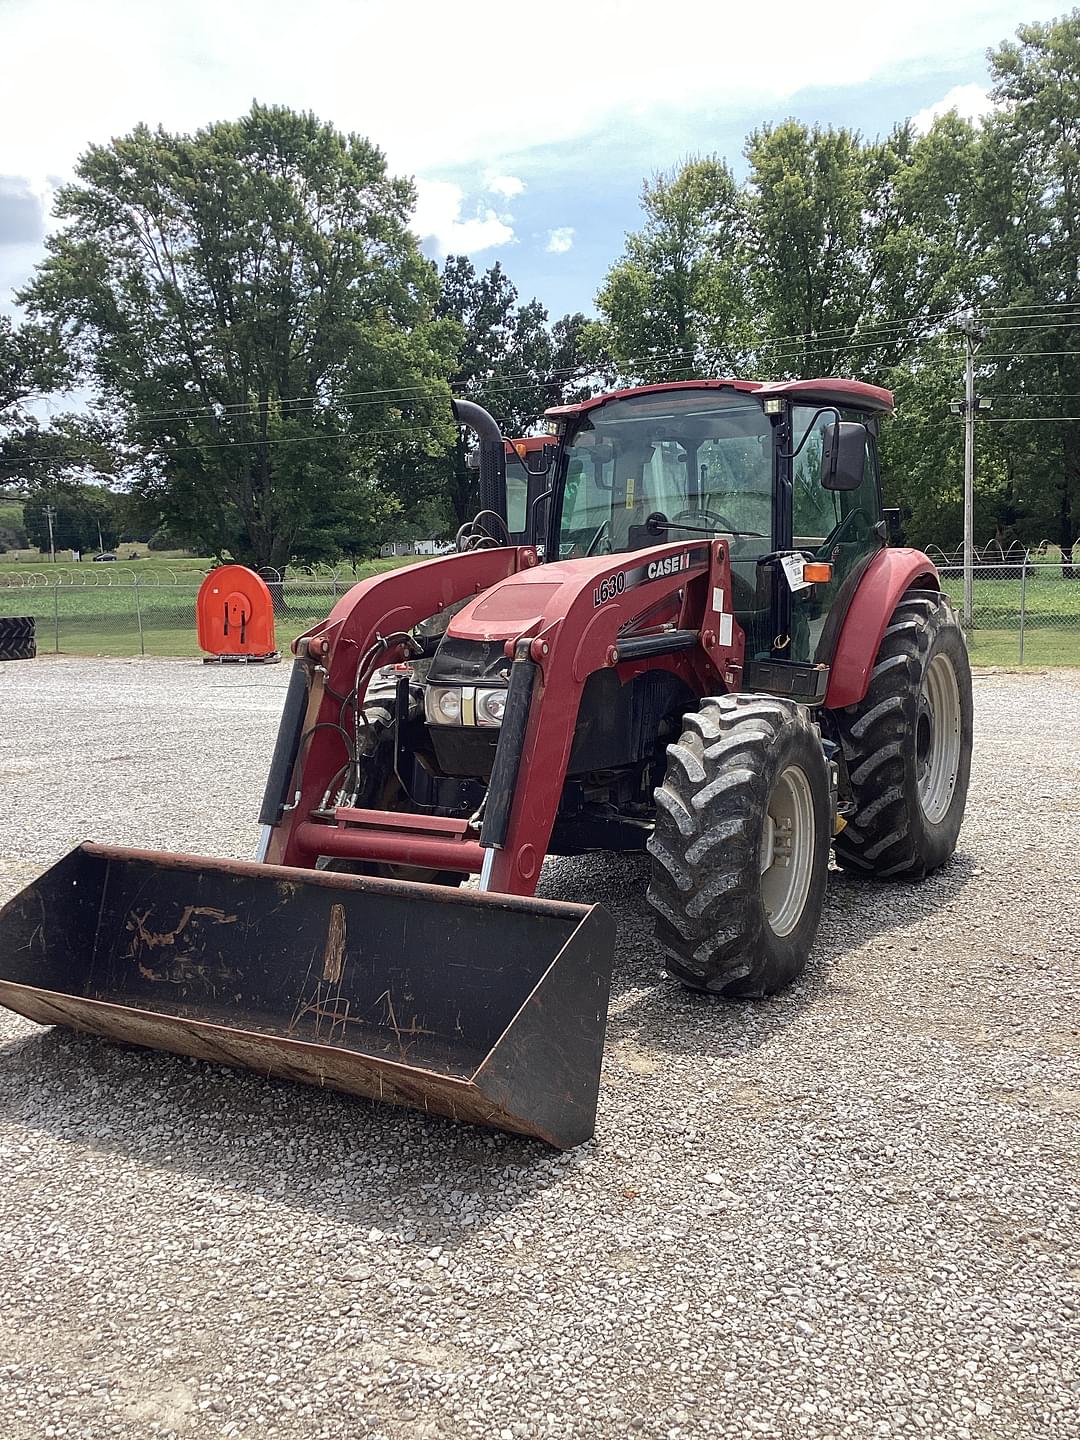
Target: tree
x,y
254,309
922,446
84,517
675,303
31,360
1029,210
509,360
858,248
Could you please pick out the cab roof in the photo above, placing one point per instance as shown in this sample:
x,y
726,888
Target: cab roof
x,y
853,393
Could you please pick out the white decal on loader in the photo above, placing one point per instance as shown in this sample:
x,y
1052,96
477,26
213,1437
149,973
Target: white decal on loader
x,y
670,565
609,588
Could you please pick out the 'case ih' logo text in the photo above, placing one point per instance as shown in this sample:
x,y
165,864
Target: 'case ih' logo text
x,y
671,565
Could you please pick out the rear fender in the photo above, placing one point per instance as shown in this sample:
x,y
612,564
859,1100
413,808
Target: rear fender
x,y
889,575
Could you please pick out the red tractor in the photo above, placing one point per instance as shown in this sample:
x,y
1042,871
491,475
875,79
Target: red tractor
x,y
687,634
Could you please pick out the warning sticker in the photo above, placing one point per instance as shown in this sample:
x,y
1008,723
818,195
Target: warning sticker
x,y
793,570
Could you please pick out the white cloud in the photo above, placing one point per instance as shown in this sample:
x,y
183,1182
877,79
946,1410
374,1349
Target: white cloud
x,y
560,240
505,185
438,218
971,102
113,63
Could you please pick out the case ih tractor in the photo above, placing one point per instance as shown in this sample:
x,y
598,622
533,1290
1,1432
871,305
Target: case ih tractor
x,y
676,626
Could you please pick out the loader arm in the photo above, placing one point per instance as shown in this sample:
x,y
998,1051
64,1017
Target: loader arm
x,y
562,623
334,650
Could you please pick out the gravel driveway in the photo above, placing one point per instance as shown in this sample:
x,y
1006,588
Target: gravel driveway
x,y
850,1211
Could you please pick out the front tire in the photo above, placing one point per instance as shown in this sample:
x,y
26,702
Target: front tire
x,y
740,848
907,745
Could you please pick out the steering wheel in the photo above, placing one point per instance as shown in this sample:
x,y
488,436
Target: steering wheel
x,y
704,519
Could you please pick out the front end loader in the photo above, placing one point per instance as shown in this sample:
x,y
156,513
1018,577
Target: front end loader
x,y
676,625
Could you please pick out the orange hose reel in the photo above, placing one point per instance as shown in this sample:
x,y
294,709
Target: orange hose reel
x,y
234,616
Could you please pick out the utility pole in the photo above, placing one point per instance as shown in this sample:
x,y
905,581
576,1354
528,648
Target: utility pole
x,y
50,511
969,408
969,467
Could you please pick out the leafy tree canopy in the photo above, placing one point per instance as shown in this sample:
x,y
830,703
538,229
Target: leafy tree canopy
x,y
254,310
509,359
1028,200
675,301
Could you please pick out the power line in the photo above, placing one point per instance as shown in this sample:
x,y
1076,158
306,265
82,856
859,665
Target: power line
x,y
890,332
165,454
1026,354
817,339
902,331
1062,324
1035,306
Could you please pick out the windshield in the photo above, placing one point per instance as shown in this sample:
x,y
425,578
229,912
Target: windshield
x,y
700,457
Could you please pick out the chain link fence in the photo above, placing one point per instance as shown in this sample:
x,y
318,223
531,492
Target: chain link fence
x,y
123,613
1025,611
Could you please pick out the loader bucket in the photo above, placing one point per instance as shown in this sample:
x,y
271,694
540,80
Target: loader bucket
x,y
487,1008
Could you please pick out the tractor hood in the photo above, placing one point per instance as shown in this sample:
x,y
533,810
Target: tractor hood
x,y
523,603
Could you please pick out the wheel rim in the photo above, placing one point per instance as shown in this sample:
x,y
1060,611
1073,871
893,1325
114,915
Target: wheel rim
x,y
787,850
937,739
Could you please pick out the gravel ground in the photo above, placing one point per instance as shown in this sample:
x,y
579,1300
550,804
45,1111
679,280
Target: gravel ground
x,y
850,1211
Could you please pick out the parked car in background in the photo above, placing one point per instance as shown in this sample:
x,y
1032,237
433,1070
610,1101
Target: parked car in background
x,y
107,555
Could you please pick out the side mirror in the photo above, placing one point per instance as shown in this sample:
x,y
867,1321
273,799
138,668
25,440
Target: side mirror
x,y
843,456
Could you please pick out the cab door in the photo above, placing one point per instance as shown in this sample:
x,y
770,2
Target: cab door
x,y
837,526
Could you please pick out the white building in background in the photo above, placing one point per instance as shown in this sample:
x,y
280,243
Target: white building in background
x,y
412,547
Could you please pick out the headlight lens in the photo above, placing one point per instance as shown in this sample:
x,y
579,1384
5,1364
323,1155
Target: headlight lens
x,y
490,705
464,705
442,704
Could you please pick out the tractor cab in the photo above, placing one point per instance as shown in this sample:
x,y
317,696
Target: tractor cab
x,y
786,472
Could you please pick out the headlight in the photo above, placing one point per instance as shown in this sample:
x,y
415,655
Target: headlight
x,y
442,704
490,705
464,705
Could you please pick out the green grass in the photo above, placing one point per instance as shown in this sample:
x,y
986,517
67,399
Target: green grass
x,y
77,619
1042,648
1051,623
151,566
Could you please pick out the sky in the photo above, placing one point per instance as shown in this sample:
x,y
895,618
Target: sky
x,y
528,128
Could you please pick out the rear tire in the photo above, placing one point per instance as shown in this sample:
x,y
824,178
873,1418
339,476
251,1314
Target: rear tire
x,y
908,745
740,848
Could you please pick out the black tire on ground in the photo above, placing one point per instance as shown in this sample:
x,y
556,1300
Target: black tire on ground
x,y
747,781
908,745
17,637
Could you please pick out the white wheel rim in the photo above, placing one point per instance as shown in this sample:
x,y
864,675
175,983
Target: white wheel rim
x,y
787,850
937,739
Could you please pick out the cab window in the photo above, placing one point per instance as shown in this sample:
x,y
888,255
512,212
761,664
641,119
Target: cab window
x,y
838,526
